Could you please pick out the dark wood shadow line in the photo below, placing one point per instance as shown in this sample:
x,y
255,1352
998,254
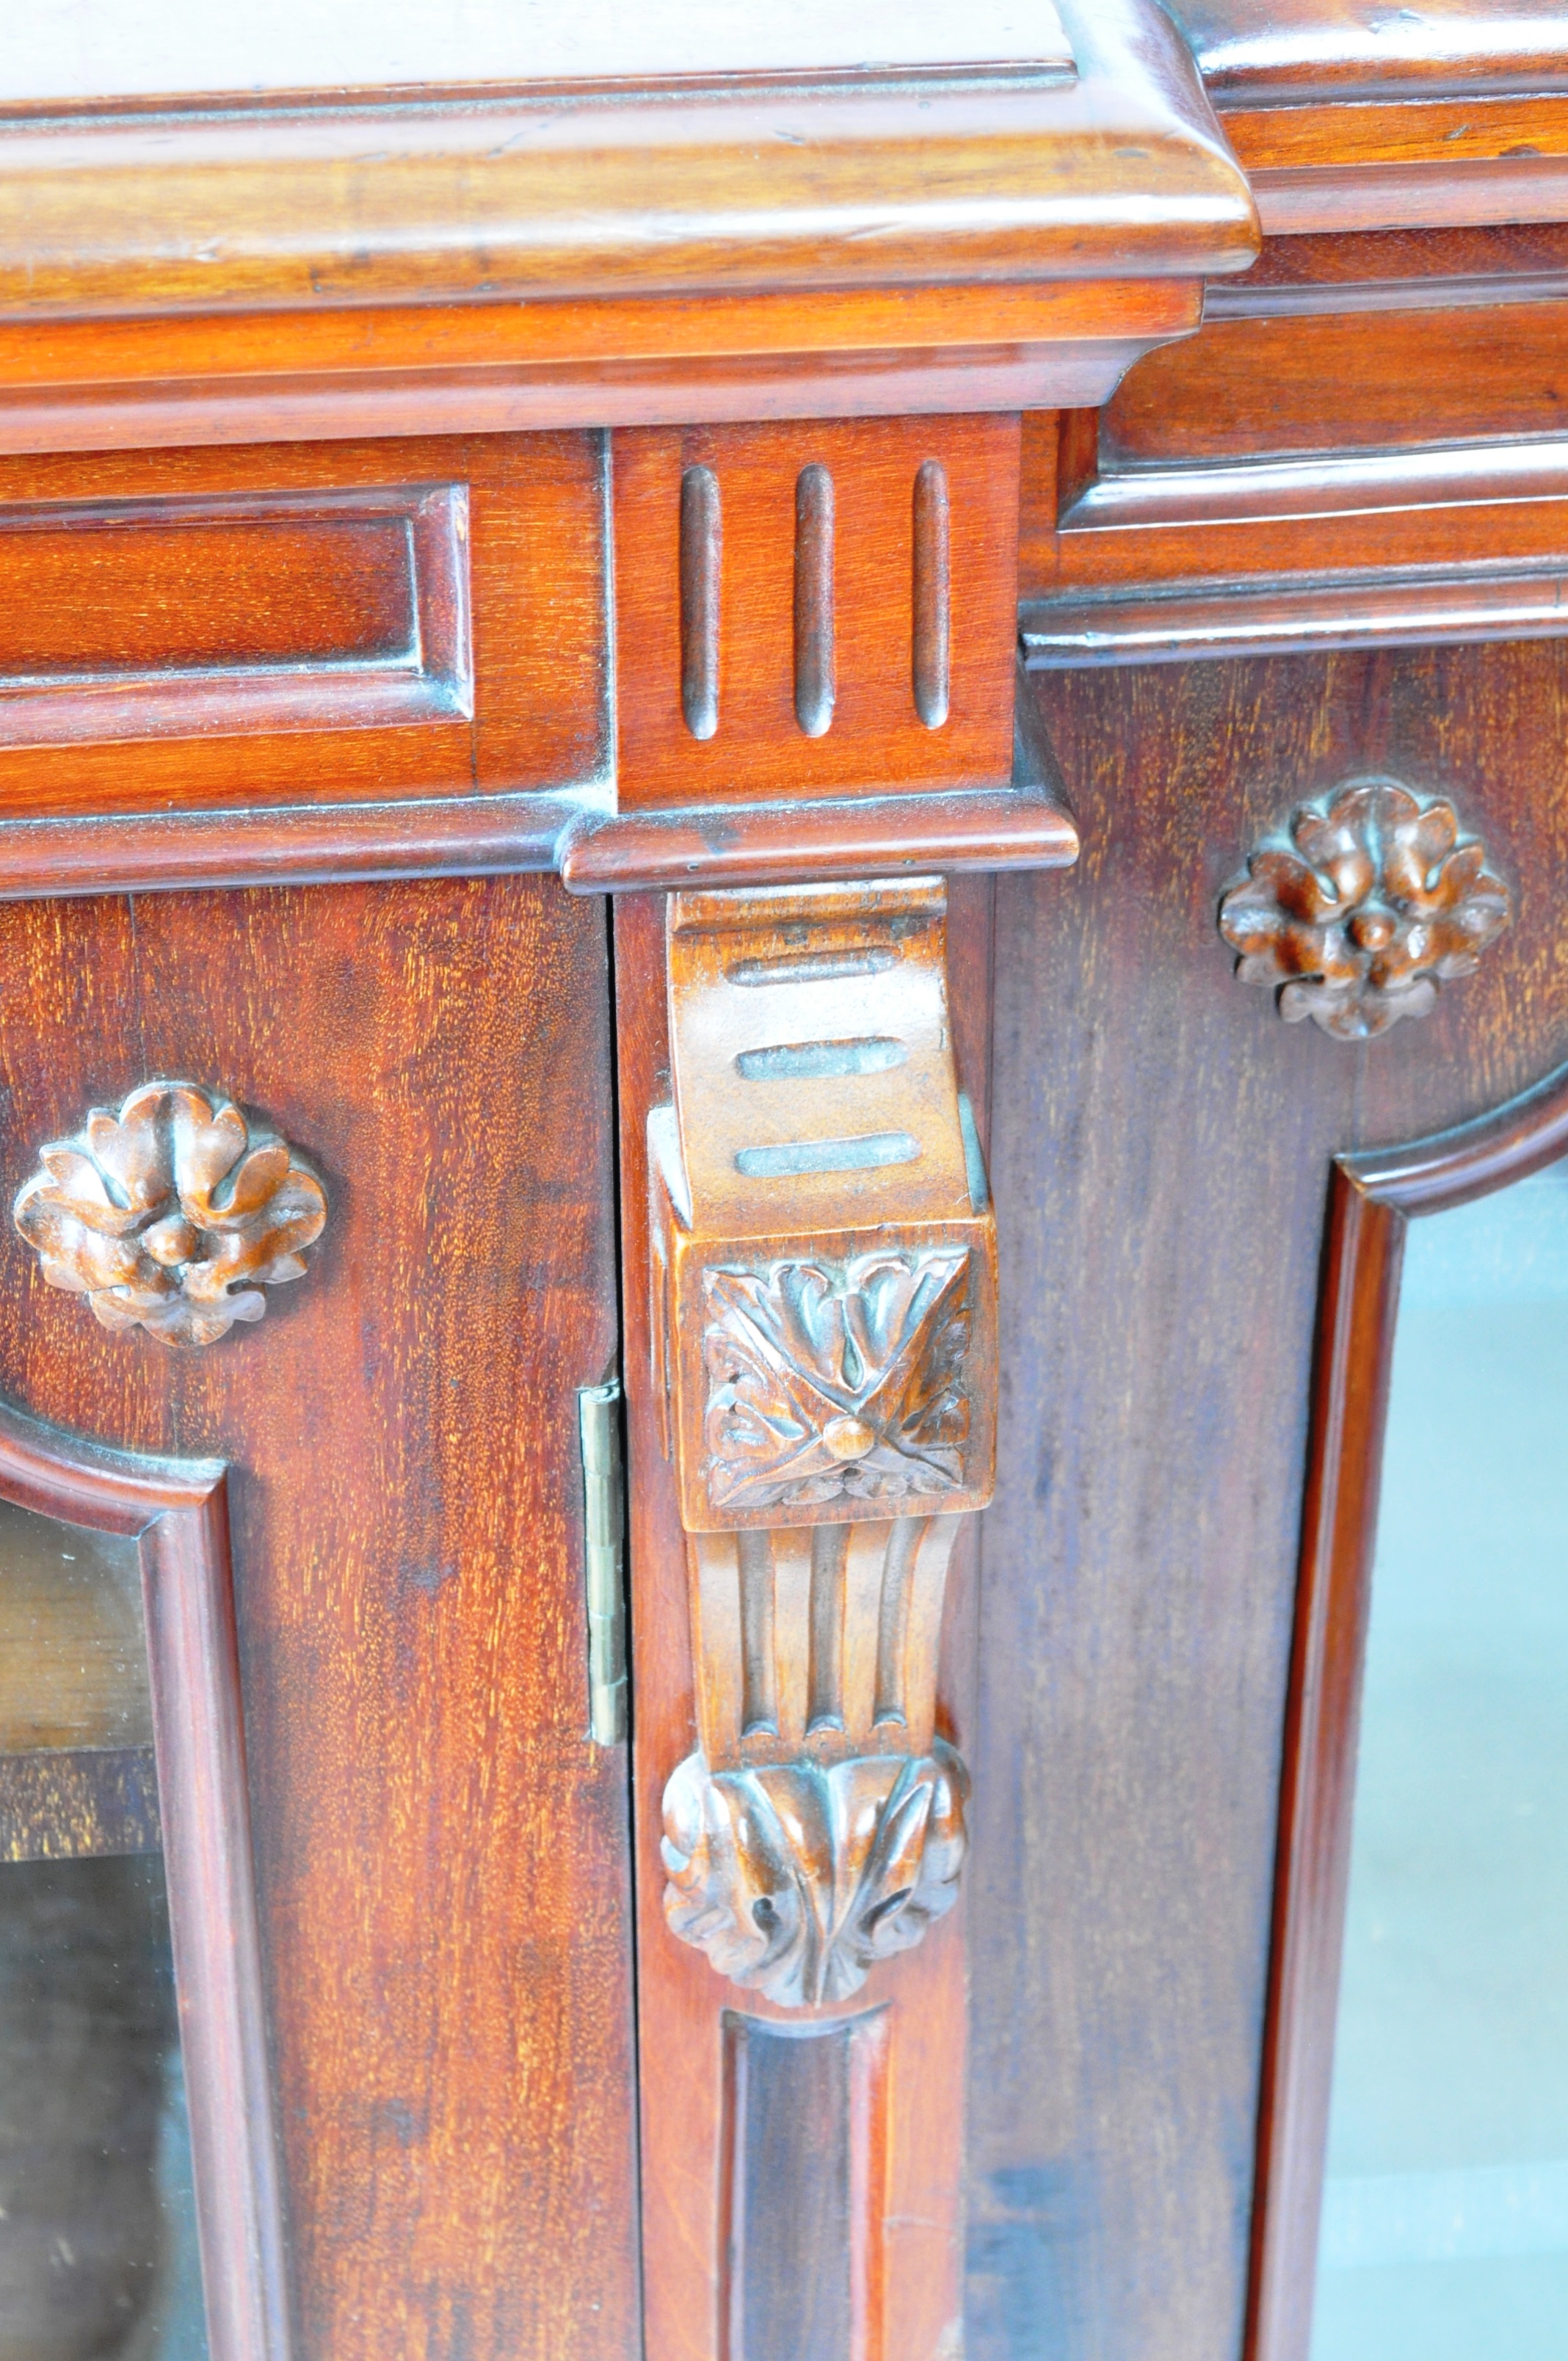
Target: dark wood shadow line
x,y
1372,1200
179,1512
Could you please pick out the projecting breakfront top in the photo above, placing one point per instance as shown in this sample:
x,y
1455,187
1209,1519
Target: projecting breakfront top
x,y
752,775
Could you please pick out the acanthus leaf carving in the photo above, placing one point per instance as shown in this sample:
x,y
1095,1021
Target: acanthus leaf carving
x,y
171,1214
796,1878
837,1382
1374,900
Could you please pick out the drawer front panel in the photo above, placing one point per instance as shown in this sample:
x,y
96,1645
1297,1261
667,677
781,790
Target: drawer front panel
x,y
290,611
301,624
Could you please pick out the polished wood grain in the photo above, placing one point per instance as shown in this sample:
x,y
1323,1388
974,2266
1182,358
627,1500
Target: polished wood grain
x,y
815,842
1455,541
1457,132
750,182
1164,1160
511,566
1350,116
457,836
805,2120
1426,194
1365,611
1397,270
177,1511
465,368
1373,1198
1313,47
440,1850
1360,379
173,618
816,612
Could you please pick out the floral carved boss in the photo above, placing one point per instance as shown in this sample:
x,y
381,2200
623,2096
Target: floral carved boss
x,y
171,1214
837,1382
1375,899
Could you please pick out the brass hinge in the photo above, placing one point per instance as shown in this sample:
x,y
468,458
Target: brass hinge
x,y
598,1429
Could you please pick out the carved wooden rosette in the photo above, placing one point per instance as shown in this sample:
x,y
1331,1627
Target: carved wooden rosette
x,y
1374,900
171,1214
825,1337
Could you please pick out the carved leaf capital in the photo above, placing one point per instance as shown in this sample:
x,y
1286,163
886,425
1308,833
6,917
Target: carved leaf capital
x,y
1374,900
796,1878
171,1214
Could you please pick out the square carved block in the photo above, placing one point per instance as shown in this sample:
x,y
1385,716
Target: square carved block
x,y
823,1248
810,608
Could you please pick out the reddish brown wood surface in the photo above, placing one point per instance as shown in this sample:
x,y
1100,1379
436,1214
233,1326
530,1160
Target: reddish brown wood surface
x,y
1425,193
296,844
1313,47
1380,270
681,2001
1458,132
535,556
158,590
72,385
765,180
872,734
441,1852
1161,1150
1457,541
782,844
1355,381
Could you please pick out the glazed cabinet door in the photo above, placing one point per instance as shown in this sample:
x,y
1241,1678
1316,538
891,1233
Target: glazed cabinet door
x,y
316,1232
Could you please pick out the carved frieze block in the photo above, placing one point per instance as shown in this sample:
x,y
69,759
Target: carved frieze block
x,y
171,1214
829,1374
837,1382
1371,900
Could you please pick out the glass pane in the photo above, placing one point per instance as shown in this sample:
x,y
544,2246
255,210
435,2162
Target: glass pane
x,y
1445,2221
98,2259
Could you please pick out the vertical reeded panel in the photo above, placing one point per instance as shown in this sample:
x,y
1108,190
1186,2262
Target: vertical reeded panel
x,y
702,549
758,1706
829,1554
805,2137
815,686
932,595
893,1618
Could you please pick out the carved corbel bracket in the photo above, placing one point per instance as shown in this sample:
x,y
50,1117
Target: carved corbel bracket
x,y
824,1266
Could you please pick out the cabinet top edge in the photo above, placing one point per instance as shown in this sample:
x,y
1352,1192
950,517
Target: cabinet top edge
x,y
980,148
1317,51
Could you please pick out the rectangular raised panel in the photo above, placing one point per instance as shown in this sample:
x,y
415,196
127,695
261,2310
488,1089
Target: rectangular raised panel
x,y
283,610
814,610
340,623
